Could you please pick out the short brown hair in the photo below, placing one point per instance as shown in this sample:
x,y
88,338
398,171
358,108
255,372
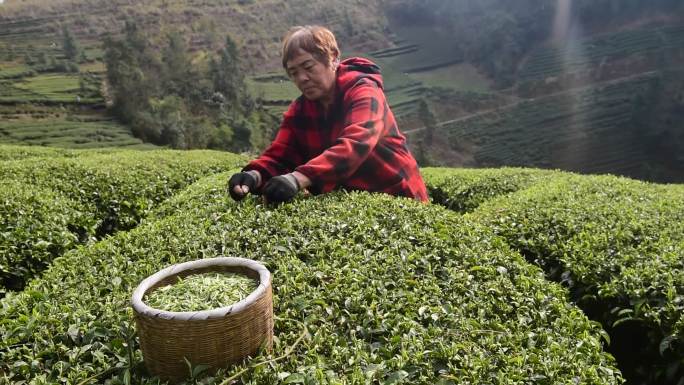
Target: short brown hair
x,y
314,39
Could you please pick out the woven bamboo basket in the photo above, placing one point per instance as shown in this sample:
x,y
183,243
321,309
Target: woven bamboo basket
x,y
218,337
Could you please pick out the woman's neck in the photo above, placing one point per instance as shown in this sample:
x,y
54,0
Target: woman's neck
x,y
327,101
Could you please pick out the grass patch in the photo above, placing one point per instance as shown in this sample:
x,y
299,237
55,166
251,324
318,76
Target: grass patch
x,y
54,87
272,90
95,67
459,77
13,70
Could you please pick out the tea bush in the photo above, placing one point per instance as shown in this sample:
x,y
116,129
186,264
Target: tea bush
x,y
114,190
12,152
618,244
463,190
123,185
390,290
36,226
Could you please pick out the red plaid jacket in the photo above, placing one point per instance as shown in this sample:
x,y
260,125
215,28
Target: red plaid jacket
x,y
357,146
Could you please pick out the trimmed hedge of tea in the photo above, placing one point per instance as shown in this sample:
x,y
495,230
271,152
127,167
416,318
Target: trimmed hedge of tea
x,y
463,190
618,244
123,185
12,152
381,289
114,190
36,225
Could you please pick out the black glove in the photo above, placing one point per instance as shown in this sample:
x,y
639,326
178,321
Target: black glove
x,y
281,188
241,179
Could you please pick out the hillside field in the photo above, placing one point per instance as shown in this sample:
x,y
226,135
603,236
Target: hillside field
x,y
526,275
580,104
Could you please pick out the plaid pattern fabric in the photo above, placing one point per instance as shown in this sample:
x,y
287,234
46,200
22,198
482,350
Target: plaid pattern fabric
x,y
356,146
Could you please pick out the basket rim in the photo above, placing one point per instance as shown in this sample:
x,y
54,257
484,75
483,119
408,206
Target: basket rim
x,y
142,308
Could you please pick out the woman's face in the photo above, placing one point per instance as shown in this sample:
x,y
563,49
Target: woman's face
x,y
316,80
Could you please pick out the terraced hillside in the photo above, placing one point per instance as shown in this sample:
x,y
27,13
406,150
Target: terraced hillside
x,y
255,25
589,129
567,108
69,134
43,104
594,53
34,70
414,62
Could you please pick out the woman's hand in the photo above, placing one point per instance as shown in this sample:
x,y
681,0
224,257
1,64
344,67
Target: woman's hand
x,y
281,188
243,183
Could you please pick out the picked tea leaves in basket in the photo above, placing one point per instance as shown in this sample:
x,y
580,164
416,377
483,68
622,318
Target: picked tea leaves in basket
x,y
213,312
200,292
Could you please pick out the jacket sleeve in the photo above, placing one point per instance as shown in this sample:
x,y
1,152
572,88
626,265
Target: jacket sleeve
x,y
283,154
363,126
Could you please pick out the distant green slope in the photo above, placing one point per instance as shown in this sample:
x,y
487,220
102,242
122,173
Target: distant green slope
x,y
576,128
33,70
593,52
69,134
33,26
590,129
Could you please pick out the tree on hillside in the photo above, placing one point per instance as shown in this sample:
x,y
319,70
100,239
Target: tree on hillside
x,y
180,75
28,59
11,55
171,98
656,124
42,58
69,44
132,70
237,108
424,141
226,75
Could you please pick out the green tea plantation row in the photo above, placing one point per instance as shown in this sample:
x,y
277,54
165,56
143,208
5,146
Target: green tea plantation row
x,y
615,243
53,200
367,289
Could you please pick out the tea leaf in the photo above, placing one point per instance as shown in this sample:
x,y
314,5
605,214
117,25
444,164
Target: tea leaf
x,y
199,292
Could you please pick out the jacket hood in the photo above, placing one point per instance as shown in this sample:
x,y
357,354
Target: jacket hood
x,y
356,69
